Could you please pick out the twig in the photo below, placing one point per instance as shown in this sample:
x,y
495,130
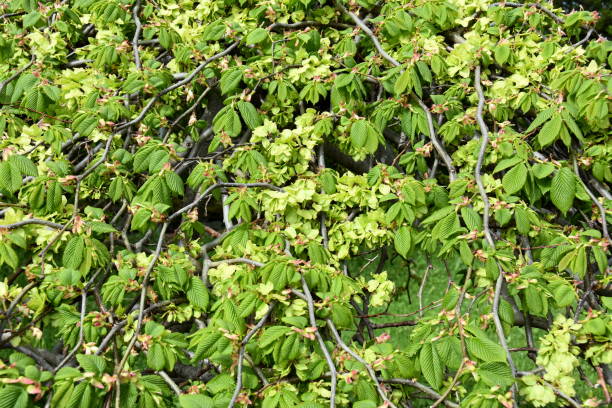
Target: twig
x,y
368,367
432,131
143,294
17,73
602,210
242,351
30,222
185,81
423,388
487,232
464,352
313,323
236,260
137,32
170,382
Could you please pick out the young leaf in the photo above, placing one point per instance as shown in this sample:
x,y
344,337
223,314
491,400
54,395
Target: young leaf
x,y
73,252
515,178
431,366
563,189
402,241
550,131
249,114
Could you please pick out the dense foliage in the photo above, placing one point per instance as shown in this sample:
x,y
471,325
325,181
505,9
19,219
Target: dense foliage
x,y
218,203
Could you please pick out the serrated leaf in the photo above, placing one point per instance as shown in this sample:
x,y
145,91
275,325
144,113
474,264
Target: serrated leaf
x,y
542,170
73,252
249,114
256,36
514,180
496,373
197,293
175,183
471,218
101,227
564,295
92,363
485,349
540,119
359,133
403,241
502,52
563,189
521,219
403,82
550,131
272,333
431,366
24,165
13,397
230,80
155,357
195,401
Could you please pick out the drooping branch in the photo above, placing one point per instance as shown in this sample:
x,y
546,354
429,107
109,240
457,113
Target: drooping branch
x,y
242,352
484,134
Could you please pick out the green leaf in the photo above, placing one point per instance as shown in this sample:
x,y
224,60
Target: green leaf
x,y
31,19
514,180
564,295
485,349
230,80
13,397
140,219
73,252
472,220
540,119
403,241
155,357
271,334
550,131
24,165
431,366
563,189
502,52
403,82
256,36
92,363
496,374
521,218
174,182
249,114
197,293
542,170
359,133
195,401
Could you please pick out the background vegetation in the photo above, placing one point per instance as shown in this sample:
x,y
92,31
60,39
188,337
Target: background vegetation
x,y
304,203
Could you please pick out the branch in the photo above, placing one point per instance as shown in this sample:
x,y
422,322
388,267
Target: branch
x,y
489,239
602,210
432,131
137,32
552,15
143,294
243,344
185,81
218,185
313,323
418,386
31,221
170,382
17,73
368,367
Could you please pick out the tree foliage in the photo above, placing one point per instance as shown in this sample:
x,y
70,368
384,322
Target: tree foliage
x,y
217,203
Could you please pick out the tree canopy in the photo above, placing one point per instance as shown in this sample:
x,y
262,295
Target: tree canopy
x,y
231,203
